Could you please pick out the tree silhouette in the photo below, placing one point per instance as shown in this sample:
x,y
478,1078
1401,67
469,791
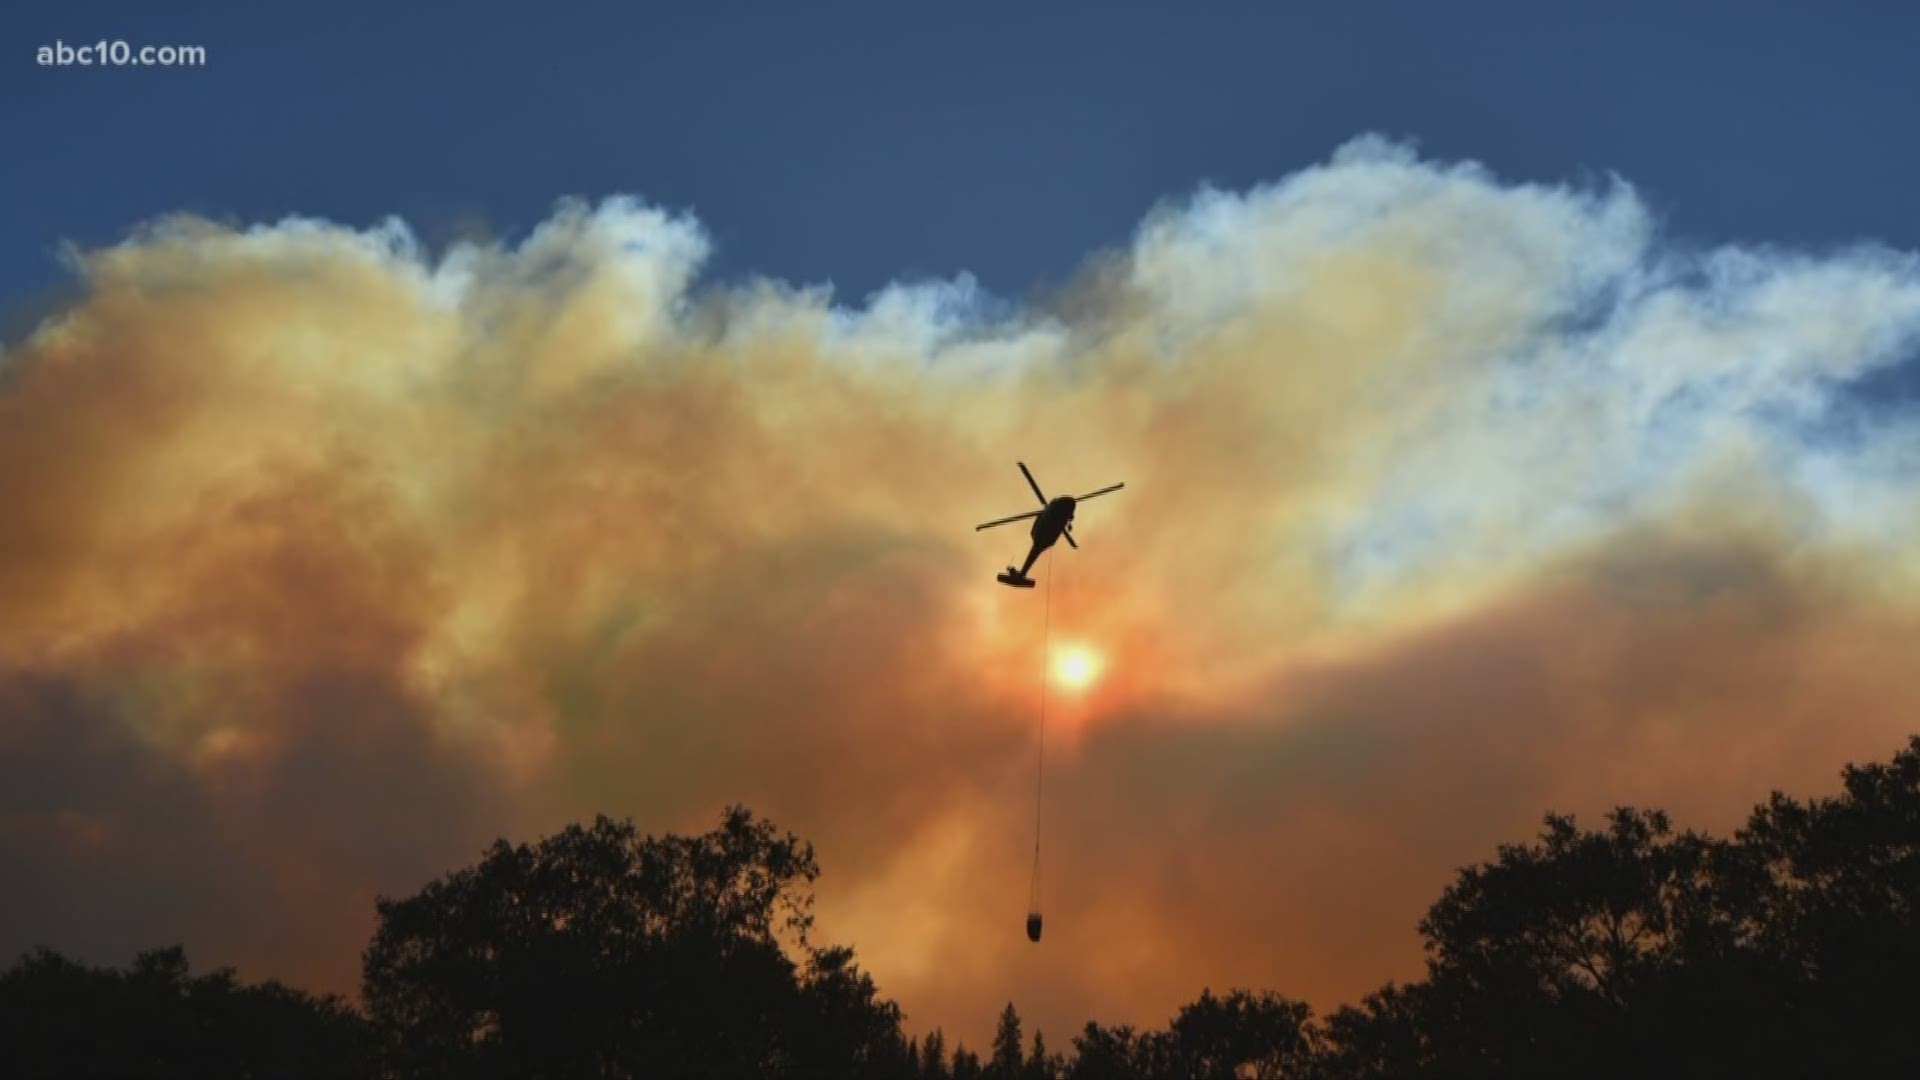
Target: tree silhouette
x,y
1042,1065
1009,1054
933,1057
1632,951
1838,923
1102,1053
598,952
1384,1036
1243,1034
60,1019
1628,950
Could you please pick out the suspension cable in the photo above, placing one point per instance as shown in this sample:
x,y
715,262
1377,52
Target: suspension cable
x,y
1040,740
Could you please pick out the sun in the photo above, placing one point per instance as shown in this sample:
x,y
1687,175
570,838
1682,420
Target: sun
x,y
1077,667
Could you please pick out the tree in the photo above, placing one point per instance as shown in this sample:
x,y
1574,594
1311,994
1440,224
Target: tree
x,y
1623,950
1631,950
59,1018
1042,1065
1245,1034
843,1025
1381,1038
933,1057
1538,955
1840,918
1009,1053
598,952
1101,1053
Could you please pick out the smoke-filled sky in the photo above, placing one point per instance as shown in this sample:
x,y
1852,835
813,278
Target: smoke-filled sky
x,y
329,553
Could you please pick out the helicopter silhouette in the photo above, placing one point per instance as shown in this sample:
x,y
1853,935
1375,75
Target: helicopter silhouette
x,y
1052,521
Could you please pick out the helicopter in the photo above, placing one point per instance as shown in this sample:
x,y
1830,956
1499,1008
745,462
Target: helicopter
x,y
1052,521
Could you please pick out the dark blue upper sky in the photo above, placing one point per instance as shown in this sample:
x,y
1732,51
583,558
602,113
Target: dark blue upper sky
x,y
860,143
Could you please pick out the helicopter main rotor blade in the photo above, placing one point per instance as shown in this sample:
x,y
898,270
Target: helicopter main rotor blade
x,y
1068,533
1032,483
1008,520
1102,491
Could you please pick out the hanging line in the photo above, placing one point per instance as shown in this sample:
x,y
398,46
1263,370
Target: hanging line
x,y
1040,740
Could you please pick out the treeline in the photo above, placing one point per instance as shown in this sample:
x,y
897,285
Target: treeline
x,y
1789,949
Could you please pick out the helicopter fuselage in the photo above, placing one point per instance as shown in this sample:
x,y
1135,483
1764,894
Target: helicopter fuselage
x,y
1052,522
1047,528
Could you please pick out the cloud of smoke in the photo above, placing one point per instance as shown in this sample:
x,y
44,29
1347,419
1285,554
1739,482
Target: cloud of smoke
x,y
325,559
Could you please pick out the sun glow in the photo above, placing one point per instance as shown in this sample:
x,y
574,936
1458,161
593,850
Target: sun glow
x,y
1077,667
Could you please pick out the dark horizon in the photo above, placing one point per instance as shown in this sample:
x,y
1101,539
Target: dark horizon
x,y
1631,947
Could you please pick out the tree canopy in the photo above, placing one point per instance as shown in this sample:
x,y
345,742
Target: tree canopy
x,y
59,1018
1630,949
600,952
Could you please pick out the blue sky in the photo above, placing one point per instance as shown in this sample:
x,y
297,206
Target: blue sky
x,y
864,143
